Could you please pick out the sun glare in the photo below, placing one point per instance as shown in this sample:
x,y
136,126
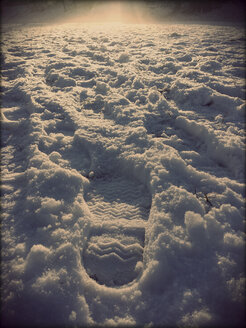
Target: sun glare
x,y
109,12
116,12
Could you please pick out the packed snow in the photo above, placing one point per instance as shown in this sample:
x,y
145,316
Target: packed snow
x,y
123,183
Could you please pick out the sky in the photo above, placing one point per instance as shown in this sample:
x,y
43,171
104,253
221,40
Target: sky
x,y
121,11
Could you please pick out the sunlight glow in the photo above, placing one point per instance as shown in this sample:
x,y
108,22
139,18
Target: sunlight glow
x,y
117,12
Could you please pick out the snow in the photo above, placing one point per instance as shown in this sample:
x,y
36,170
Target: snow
x,y
123,180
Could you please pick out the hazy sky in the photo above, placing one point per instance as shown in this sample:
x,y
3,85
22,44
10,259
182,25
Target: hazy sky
x,y
121,11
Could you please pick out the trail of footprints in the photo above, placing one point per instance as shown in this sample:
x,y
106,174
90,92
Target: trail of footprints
x,y
119,207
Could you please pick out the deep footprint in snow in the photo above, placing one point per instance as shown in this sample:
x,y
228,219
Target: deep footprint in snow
x,y
120,207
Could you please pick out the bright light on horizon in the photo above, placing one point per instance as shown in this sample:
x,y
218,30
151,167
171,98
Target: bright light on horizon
x,y
115,12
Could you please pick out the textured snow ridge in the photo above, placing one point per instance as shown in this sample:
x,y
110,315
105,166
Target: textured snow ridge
x,y
111,257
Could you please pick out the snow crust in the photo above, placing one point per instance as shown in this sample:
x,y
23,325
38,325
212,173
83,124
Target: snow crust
x,y
123,177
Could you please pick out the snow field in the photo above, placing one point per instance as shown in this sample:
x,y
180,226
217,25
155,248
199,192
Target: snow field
x,y
123,175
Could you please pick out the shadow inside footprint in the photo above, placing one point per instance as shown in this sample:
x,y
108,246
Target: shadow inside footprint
x,y
111,258
120,208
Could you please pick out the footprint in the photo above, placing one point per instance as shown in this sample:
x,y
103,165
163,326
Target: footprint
x,y
111,257
120,208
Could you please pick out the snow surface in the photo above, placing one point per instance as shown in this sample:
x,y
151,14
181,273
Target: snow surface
x,y
123,175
